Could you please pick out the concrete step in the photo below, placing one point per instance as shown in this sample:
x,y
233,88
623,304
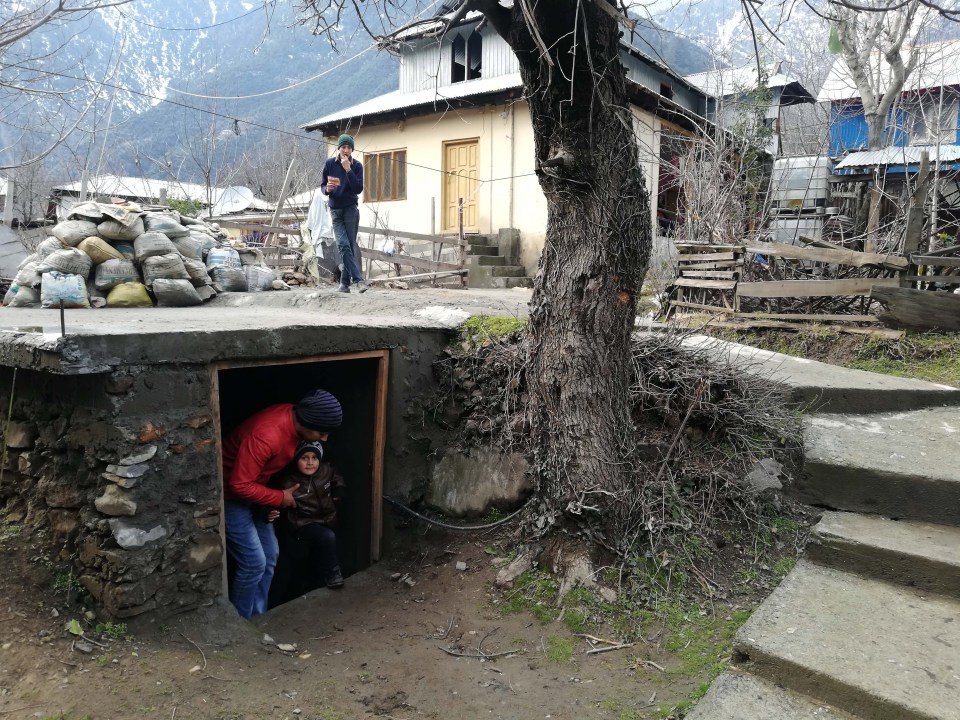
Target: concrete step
x,y
500,271
828,388
485,240
867,647
474,250
740,696
511,282
919,555
485,260
900,465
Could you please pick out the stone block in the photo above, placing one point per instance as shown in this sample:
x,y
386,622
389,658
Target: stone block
x,y
142,457
116,502
205,553
208,522
150,432
123,482
21,435
128,471
129,536
470,485
64,524
63,496
118,384
28,463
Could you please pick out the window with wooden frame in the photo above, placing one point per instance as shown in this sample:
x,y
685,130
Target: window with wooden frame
x,y
385,176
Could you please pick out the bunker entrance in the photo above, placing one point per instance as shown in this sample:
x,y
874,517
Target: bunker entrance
x,y
359,381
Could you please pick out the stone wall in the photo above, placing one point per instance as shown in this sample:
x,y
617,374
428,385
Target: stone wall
x,y
116,474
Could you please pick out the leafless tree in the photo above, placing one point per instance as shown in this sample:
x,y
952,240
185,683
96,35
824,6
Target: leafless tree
x,y
27,72
598,240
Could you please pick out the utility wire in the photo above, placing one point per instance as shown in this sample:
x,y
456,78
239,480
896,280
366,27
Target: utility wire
x,y
403,507
194,29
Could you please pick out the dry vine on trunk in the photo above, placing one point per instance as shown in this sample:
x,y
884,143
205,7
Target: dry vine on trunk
x,y
697,425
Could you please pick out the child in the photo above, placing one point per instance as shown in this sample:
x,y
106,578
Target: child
x,y
306,531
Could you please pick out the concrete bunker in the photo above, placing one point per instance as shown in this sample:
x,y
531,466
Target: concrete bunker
x,y
112,468
360,382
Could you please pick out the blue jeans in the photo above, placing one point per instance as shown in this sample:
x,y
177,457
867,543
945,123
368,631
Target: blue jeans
x,y
252,546
346,222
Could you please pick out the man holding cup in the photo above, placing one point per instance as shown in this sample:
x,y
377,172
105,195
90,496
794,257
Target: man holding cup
x,y
342,183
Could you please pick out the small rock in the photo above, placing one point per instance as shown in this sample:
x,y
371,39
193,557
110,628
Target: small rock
x,y
267,640
43,633
765,475
396,576
128,536
461,565
286,647
123,482
89,615
143,457
409,581
508,575
128,471
54,613
115,501
608,594
83,647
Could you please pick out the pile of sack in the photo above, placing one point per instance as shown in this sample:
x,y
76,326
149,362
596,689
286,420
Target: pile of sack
x,y
122,256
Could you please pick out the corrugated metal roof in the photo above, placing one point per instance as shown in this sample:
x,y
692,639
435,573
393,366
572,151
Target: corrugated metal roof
x,y
899,156
135,187
721,82
397,100
939,64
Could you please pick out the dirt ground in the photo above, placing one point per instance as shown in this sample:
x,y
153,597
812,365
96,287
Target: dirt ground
x,y
382,646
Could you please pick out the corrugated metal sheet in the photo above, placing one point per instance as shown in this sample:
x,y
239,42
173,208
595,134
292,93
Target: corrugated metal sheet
x,y
724,82
652,77
135,187
419,66
397,100
899,156
498,58
939,65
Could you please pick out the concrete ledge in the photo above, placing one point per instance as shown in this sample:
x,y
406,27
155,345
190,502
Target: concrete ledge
x,y
866,647
916,554
828,388
739,696
900,465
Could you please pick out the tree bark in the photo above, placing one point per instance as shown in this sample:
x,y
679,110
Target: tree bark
x,y
597,247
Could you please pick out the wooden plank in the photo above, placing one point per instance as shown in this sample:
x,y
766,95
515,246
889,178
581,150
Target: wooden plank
x,y
260,228
711,274
821,243
919,309
935,260
705,284
952,250
379,445
808,316
421,263
418,276
449,240
713,265
813,288
942,279
698,306
696,246
700,257
836,257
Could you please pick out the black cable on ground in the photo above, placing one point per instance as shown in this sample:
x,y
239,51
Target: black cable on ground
x,y
413,512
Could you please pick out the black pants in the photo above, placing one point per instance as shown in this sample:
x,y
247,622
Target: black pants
x,y
307,555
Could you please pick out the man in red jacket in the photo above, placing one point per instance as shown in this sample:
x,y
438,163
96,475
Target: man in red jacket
x,y
261,446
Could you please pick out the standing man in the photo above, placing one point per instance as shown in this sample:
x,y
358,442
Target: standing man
x,y
261,446
342,182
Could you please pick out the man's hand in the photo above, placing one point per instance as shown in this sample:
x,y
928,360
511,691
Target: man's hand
x,y
288,500
345,162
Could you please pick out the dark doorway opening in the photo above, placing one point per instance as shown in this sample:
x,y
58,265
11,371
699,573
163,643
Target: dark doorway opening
x,y
358,381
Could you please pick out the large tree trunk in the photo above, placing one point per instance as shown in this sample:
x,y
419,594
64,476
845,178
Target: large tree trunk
x,y
598,239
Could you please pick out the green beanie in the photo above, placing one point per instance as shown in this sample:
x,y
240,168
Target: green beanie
x,y
346,140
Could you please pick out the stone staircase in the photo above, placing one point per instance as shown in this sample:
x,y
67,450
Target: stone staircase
x,y
867,625
490,266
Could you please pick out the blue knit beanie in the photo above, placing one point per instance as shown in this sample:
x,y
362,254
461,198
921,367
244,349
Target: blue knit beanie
x,y
304,447
319,410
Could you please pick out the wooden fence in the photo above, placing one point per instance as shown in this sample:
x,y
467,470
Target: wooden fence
x,y
709,279
282,257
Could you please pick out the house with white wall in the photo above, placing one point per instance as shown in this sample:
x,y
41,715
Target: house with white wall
x,y
458,127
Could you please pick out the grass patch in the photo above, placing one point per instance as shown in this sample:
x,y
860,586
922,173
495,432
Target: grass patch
x,y
483,327
559,650
924,356
533,592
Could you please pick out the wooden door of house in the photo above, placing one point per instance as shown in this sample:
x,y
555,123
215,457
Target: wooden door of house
x,y
461,165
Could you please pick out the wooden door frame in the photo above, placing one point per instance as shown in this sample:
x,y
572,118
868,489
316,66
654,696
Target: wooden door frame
x,y
443,186
379,435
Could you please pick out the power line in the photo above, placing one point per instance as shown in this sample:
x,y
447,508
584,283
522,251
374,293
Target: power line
x,y
194,29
